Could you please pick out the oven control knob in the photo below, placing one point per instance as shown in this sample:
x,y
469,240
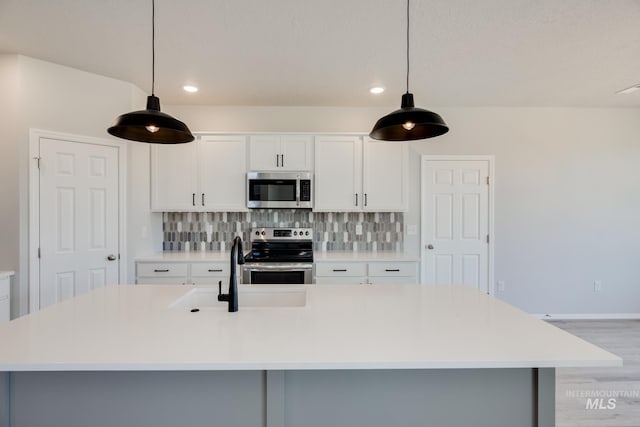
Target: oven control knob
x,y
257,233
263,233
295,233
306,233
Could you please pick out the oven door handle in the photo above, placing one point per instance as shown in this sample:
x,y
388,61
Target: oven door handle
x,y
292,267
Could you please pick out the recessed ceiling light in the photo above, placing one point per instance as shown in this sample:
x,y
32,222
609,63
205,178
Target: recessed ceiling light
x,y
376,90
190,89
629,89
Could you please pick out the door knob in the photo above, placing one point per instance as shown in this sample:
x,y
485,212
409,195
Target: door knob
x,y
429,246
111,257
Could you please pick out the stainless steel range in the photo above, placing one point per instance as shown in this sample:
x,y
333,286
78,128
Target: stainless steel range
x,y
279,256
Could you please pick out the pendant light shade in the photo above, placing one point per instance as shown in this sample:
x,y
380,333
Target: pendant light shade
x,y
408,123
151,125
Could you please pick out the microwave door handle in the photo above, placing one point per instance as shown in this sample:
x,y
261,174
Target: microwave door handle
x,y
298,184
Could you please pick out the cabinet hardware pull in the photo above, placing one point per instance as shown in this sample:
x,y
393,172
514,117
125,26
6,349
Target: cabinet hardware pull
x,y
219,270
341,269
193,199
365,199
277,160
356,199
391,269
202,199
161,271
282,160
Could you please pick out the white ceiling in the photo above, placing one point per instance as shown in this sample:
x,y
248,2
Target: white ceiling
x,y
329,52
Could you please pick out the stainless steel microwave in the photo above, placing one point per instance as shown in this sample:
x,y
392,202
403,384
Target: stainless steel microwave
x,y
280,190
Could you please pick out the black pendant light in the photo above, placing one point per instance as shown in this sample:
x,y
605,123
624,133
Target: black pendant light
x,y
151,125
409,123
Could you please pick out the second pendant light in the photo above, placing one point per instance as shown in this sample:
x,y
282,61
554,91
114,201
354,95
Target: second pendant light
x,y
409,122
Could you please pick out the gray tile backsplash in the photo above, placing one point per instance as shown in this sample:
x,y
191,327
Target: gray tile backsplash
x,y
350,231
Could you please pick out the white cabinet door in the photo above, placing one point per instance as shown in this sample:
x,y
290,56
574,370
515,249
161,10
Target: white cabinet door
x,y
297,152
264,152
280,153
222,166
174,177
338,172
385,166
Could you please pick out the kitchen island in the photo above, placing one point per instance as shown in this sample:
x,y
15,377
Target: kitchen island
x,y
374,355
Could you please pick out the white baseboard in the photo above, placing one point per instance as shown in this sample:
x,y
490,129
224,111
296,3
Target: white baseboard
x,y
588,316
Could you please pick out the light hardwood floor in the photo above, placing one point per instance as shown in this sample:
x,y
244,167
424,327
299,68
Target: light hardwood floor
x,y
573,386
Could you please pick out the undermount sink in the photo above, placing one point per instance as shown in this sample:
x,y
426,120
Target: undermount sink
x,y
251,296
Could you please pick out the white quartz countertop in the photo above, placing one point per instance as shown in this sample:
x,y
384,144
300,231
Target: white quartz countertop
x,y
4,274
340,327
184,257
362,256
328,256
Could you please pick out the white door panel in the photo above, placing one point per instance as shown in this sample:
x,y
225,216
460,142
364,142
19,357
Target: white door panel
x,y
455,222
78,218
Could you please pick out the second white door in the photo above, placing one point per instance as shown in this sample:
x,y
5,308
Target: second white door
x,y
455,222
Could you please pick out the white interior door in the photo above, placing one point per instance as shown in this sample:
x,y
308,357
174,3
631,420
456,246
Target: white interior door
x,y
455,222
79,218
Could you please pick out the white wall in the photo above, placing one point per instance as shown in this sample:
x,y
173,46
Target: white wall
x,y
11,113
567,190
55,98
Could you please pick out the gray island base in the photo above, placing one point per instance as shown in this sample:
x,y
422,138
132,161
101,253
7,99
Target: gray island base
x,y
310,398
324,356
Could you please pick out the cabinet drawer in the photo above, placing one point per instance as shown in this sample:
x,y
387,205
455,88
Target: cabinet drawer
x,y
202,269
340,269
392,269
154,269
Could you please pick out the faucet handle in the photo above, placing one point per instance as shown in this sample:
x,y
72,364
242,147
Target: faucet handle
x,y
221,296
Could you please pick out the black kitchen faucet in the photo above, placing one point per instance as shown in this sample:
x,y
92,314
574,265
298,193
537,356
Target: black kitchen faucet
x,y
236,257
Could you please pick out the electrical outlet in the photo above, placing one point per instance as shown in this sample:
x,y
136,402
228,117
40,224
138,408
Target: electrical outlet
x,y
597,286
500,285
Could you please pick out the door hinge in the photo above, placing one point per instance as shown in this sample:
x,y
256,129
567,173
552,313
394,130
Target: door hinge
x,y
488,180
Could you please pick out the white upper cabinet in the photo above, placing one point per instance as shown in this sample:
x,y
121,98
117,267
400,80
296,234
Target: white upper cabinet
x,y
360,174
222,166
384,175
208,174
338,177
281,153
174,176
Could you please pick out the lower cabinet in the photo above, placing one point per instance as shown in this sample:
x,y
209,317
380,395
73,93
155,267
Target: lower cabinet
x,y
185,273
356,273
5,298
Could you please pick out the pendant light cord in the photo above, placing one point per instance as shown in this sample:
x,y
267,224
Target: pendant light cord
x,y
407,46
153,47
